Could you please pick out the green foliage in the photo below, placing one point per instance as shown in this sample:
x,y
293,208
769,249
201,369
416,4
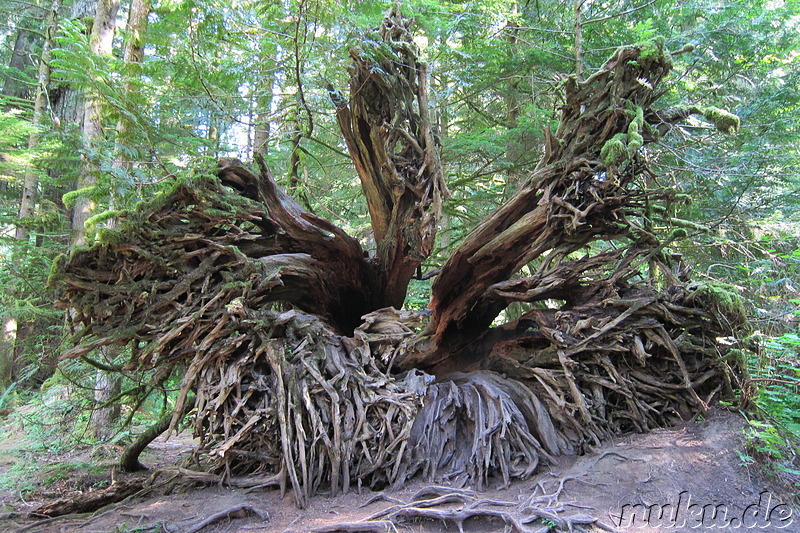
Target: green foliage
x,y
654,49
774,431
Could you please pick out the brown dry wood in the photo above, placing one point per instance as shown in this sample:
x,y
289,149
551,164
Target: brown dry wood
x,y
388,131
446,505
237,511
570,200
89,501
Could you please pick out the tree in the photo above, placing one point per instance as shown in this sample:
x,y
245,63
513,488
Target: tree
x,y
288,331
107,385
30,184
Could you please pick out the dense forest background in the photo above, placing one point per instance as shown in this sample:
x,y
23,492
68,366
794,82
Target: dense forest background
x,y
105,104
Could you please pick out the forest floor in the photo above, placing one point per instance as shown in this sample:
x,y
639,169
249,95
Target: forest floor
x,y
683,473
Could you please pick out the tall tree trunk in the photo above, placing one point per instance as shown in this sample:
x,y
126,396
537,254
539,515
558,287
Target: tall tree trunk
x,y
106,386
100,42
8,338
15,83
31,182
578,30
511,98
133,54
264,100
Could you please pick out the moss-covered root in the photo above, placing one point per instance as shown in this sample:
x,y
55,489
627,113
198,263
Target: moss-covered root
x,y
725,121
723,300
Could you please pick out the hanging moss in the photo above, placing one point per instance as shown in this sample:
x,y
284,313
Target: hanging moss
x,y
725,121
614,151
635,139
71,197
688,224
638,118
56,269
99,218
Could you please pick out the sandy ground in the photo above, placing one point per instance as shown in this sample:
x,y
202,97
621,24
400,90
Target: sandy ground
x,y
686,478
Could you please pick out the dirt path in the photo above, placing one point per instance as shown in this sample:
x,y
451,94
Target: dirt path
x,y
687,478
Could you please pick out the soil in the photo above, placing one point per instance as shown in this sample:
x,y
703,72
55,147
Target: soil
x,y
668,480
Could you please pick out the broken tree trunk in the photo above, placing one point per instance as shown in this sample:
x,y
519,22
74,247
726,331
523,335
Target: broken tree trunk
x,y
387,128
278,321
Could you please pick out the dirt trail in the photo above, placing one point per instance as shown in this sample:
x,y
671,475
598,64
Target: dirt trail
x,y
668,480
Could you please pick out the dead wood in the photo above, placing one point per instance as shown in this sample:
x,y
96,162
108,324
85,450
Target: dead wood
x,y
89,501
237,511
388,131
279,323
448,506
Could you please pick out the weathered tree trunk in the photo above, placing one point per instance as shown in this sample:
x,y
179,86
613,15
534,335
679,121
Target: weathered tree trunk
x,y
263,103
132,55
338,387
31,182
388,130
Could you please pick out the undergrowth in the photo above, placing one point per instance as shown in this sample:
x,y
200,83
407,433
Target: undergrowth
x,y
773,432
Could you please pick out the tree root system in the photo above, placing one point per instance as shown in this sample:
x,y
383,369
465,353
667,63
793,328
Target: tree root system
x,y
280,326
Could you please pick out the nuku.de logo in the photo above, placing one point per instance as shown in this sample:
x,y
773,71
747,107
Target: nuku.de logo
x,y
684,513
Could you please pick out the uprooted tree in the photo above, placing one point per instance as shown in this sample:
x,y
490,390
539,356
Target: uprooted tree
x,y
286,332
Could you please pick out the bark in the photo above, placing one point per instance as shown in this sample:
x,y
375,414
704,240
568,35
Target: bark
x,y
578,29
304,119
107,385
133,55
16,84
264,99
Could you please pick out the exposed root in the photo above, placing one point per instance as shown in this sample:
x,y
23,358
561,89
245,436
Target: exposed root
x,y
454,507
237,511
